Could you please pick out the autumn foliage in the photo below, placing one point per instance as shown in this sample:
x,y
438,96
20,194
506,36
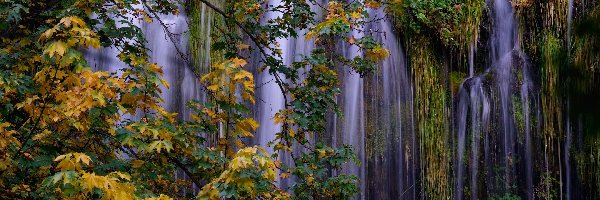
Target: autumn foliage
x,y
70,132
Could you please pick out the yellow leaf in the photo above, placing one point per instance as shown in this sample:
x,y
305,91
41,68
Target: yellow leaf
x,y
47,34
76,21
71,161
91,181
291,132
83,158
377,54
122,175
239,143
355,15
310,35
247,96
373,4
249,85
239,62
209,192
309,180
154,145
213,88
278,118
147,19
60,157
243,46
137,163
56,48
247,152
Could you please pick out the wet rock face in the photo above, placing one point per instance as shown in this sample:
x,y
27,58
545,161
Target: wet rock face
x,y
494,120
519,73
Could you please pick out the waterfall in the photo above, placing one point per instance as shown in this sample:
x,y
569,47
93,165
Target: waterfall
x,y
478,127
378,119
502,46
525,92
184,85
353,124
497,147
270,92
472,97
462,128
397,98
163,50
569,24
491,102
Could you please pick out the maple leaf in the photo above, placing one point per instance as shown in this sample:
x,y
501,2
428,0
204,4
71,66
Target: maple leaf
x,y
355,15
213,88
56,48
91,181
71,161
72,20
377,54
239,62
47,34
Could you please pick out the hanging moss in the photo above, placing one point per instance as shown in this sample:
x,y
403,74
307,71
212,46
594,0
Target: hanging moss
x,y
203,29
519,117
456,79
431,113
551,104
584,73
588,165
583,79
452,22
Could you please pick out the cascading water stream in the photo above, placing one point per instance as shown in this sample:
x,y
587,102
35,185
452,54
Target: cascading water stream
x,y
478,123
525,92
397,98
502,46
298,48
270,92
474,99
384,144
504,54
462,128
184,84
567,153
164,50
353,126
494,151
569,23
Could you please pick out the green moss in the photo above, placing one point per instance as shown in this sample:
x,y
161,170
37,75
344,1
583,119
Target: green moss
x,y
376,144
431,112
453,22
456,79
203,29
519,117
551,101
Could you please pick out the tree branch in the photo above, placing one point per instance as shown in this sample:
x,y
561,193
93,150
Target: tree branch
x,y
278,79
171,37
